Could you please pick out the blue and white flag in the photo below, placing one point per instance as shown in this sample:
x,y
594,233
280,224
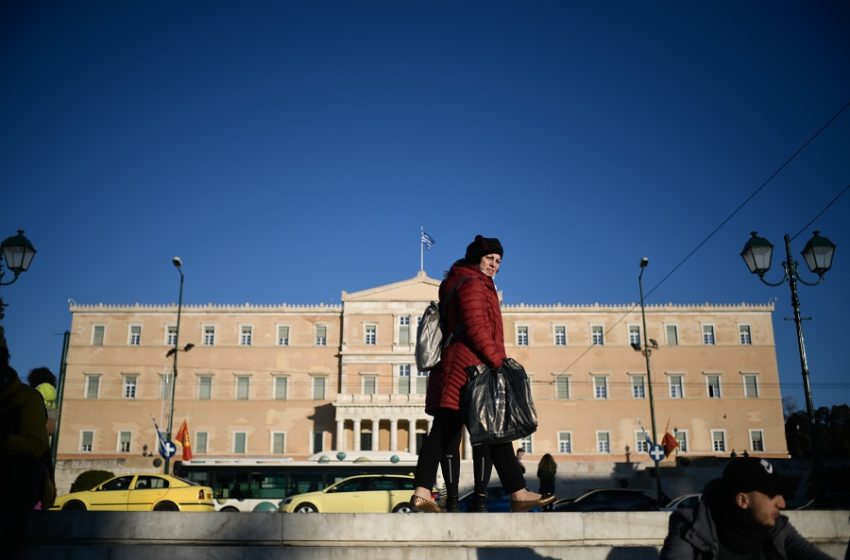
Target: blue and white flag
x,y
426,240
159,435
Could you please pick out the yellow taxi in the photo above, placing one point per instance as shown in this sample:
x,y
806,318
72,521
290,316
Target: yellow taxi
x,y
140,492
366,493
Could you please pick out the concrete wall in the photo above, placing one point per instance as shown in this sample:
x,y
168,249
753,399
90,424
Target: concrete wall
x,y
250,536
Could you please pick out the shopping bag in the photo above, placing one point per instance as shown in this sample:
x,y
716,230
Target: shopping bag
x,y
498,405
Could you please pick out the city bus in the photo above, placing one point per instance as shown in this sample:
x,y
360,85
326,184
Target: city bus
x,y
260,484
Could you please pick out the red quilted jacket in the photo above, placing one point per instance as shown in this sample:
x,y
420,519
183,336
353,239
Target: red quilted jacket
x,y
475,304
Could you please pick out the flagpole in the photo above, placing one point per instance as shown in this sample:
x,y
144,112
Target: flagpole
x,y
421,249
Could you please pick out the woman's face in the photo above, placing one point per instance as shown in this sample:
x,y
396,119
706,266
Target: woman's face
x,y
490,264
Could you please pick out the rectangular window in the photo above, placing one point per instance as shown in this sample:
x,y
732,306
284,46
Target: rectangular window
x,y
562,387
677,389
283,335
745,335
634,335
92,386
240,442
526,444
638,386
404,379
209,335
597,335
560,335
404,329
565,442
318,442
86,441
97,335
321,335
421,384
682,438
708,335
129,386
751,386
165,386
370,384
204,387
370,335
135,335
600,387
718,441
319,388
278,443
170,335
522,336
672,332
201,443
756,441
712,383
243,387
124,442
641,445
280,386
603,442
246,335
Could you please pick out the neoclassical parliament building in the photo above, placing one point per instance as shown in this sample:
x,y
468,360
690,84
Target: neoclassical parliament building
x,y
293,380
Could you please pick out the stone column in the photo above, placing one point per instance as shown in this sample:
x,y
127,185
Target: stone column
x,y
376,430
393,434
411,436
356,435
340,435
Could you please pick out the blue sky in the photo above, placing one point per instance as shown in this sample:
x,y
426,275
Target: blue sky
x,y
291,150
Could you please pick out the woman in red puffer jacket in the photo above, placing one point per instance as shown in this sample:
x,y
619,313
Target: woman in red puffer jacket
x,y
473,319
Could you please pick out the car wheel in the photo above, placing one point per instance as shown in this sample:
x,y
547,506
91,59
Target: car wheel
x,y
229,509
403,507
74,506
166,506
306,508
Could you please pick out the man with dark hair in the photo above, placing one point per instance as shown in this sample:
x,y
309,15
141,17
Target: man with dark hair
x,y
739,518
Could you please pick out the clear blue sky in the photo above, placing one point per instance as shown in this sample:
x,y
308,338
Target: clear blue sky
x,y
291,150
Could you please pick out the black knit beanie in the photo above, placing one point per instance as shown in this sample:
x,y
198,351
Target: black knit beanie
x,y
482,246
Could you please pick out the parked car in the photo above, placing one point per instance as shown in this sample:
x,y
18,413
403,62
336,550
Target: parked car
x,y
140,492
686,501
497,500
366,493
608,499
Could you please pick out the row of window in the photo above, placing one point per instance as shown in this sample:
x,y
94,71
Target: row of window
x,y
208,335
370,334
406,384
675,386
604,443
277,443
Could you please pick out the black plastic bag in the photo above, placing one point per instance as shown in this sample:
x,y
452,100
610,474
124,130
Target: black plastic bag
x,y
498,405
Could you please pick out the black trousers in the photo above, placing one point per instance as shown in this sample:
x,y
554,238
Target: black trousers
x,y
444,440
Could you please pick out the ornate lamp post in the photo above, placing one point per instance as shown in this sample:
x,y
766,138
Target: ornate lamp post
x,y
648,345
818,253
173,352
17,252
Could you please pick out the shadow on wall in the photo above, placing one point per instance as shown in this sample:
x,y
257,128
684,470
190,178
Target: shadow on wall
x,y
615,553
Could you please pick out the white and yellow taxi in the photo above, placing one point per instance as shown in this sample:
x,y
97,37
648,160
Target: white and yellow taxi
x,y
366,493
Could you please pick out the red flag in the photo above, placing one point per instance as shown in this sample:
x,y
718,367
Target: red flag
x,y
185,440
669,443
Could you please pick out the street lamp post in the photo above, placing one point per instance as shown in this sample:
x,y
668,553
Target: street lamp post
x,y
646,351
178,263
818,253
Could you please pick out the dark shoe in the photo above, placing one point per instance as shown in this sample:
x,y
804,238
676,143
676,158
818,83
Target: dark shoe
x,y
451,504
526,505
478,504
423,505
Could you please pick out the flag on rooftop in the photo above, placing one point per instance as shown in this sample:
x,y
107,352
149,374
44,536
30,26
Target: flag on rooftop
x,y
426,240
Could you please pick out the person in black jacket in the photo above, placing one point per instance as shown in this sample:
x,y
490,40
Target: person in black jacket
x,y
739,517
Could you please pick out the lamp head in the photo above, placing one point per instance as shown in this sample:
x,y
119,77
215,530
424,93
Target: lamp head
x,y
644,262
176,261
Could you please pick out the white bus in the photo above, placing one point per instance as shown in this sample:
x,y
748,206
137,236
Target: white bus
x,y
260,484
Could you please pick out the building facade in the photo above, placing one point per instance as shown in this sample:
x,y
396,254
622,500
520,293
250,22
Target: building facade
x,y
292,380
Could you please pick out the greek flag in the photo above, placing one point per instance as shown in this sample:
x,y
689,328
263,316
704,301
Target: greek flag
x,y
426,240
